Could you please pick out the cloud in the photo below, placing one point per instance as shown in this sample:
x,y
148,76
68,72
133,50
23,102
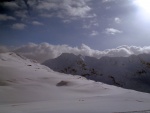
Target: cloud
x,y
105,1
91,23
45,15
4,17
117,20
3,49
94,33
37,23
78,8
22,14
108,7
45,51
112,31
86,26
18,26
66,21
48,5
65,8
27,10
11,5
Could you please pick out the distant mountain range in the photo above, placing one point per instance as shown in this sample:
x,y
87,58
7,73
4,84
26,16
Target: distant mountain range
x,y
128,72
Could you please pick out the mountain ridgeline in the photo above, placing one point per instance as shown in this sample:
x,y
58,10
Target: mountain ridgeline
x,y
128,72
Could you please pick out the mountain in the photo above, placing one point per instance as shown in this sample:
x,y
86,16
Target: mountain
x,y
128,72
29,87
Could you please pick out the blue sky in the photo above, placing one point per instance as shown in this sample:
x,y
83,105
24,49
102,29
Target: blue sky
x,y
100,24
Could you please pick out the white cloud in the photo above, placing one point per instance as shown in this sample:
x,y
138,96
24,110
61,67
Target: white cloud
x,y
112,31
18,26
76,8
65,8
4,17
37,23
91,23
105,1
45,51
94,33
117,20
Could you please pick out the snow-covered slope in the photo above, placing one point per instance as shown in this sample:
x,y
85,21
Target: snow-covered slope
x,y
28,87
129,72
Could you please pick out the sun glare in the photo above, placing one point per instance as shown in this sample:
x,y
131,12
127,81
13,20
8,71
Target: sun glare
x,y
144,4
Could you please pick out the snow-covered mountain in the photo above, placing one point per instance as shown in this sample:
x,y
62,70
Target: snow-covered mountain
x,y
28,87
129,72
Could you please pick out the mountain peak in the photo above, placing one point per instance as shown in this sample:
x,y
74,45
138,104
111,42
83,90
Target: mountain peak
x,y
127,72
63,55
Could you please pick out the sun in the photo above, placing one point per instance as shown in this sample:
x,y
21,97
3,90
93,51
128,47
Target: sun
x,y
144,4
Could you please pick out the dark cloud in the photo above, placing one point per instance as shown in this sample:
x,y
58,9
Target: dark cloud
x,y
65,9
6,1
4,17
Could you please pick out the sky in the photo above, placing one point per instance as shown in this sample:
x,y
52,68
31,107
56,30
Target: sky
x,y
97,24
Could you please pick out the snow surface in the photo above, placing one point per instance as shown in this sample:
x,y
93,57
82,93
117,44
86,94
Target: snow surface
x,y
28,87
